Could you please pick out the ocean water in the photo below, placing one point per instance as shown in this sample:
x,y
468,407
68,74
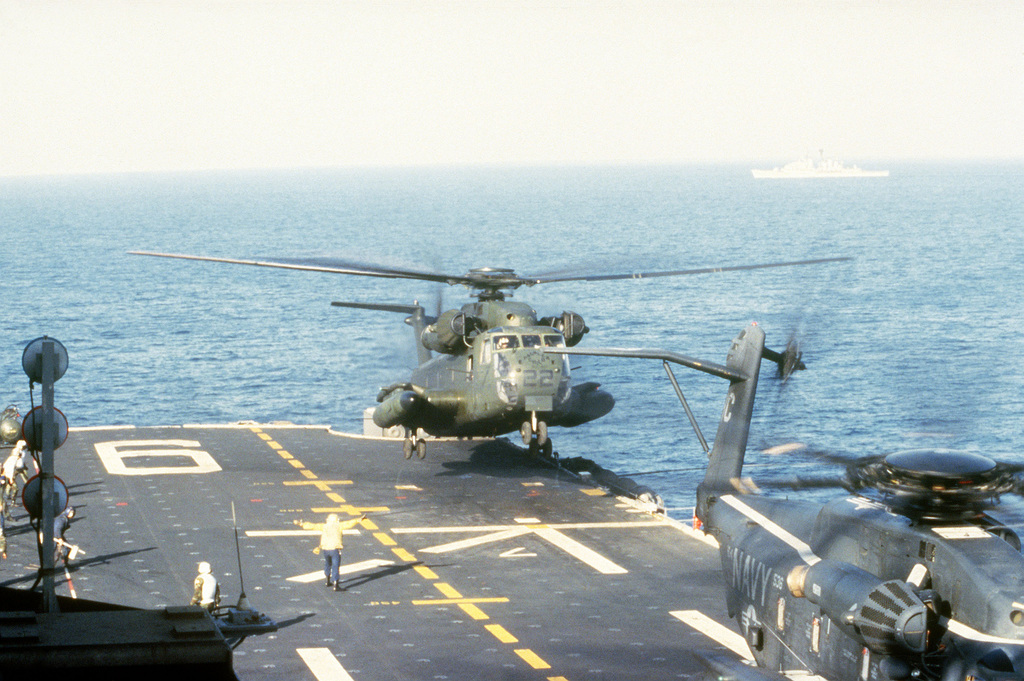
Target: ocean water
x,y
915,342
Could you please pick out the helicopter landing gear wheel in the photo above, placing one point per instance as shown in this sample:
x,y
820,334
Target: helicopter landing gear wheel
x,y
421,448
526,430
534,448
407,447
542,433
546,448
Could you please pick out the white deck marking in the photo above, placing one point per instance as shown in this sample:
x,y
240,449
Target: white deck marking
x,y
581,552
550,533
715,631
621,524
115,456
518,552
292,533
477,541
323,664
775,529
310,577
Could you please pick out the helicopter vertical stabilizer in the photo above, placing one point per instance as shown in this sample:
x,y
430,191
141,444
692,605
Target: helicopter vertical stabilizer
x,y
726,458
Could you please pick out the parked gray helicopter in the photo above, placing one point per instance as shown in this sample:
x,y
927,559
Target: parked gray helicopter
x,y
907,577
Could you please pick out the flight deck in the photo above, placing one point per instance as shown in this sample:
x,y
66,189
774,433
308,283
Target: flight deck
x,y
477,562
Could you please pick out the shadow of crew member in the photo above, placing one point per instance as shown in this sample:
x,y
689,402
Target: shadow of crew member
x,y
206,591
331,543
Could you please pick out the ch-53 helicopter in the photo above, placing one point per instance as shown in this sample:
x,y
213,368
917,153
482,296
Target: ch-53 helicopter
x,y
908,577
491,376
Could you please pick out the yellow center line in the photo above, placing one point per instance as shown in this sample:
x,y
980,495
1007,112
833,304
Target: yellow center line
x,y
425,572
502,634
447,589
457,601
333,496
473,611
308,473
322,485
384,538
348,509
296,463
404,555
531,658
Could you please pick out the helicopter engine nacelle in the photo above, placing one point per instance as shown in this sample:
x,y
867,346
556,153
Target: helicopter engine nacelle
x,y
886,616
570,324
450,333
10,425
397,408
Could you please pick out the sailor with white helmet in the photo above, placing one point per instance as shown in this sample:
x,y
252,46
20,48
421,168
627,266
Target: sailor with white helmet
x,y
14,467
207,591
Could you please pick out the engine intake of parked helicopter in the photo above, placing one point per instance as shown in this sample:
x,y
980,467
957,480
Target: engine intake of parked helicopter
x,y
887,616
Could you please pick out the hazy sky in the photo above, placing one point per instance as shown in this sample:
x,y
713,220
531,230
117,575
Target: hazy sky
x,y
105,85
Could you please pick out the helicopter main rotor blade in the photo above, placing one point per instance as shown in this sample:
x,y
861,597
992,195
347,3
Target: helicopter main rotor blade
x,y
679,273
319,265
383,307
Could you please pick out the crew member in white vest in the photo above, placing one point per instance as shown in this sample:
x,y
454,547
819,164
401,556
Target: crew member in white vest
x,y
207,591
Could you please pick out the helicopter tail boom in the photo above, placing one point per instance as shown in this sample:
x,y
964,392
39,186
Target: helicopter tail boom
x,y
416,319
726,458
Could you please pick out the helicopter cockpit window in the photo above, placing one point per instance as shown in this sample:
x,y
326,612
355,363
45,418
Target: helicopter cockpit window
x,y
505,342
531,341
554,341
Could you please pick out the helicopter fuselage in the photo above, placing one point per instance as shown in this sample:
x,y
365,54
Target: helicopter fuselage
x,y
970,577
502,379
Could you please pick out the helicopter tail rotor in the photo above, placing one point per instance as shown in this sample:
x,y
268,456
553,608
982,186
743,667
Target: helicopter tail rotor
x,y
789,360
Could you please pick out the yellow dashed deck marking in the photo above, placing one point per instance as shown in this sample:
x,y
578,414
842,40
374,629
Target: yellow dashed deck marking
x,y
447,589
531,658
502,634
473,611
308,473
264,436
296,463
285,455
404,555
457,601
384,538
348,509
274,445
594,492
425,572
334,496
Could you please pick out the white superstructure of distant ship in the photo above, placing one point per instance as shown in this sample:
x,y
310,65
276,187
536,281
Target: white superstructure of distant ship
x,y
806,167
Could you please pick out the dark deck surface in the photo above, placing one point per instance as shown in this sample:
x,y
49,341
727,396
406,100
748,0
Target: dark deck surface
x,y
475,563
